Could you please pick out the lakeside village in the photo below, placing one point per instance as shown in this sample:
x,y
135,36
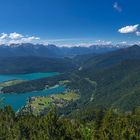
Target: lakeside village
x,y
40,104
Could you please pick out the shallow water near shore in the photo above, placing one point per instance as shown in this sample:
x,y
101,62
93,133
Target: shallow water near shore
x,y
19,100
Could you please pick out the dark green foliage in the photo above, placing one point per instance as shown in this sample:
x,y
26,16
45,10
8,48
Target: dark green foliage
x,y
106,125
16,65
117,75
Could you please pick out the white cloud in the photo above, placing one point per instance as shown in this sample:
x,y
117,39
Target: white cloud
x,y
128,29
69,42
102,42
78,45
123,42
117,7
15,35
138,33
16,38
29,39
3,36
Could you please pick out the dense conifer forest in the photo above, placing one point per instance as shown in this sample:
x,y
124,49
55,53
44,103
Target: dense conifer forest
x,y
103,125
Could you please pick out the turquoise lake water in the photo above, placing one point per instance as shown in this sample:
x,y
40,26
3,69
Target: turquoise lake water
x,y
19,100
31,76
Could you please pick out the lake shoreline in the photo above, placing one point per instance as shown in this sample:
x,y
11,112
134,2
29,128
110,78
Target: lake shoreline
x,y
18,100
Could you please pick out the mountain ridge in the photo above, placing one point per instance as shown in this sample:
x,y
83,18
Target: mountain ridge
x,y
50,50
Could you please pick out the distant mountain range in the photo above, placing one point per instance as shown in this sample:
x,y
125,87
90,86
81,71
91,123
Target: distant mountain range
x,y
15,50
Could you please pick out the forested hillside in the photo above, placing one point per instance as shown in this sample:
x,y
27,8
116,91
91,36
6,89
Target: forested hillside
x,y
104,124
117,78
30,64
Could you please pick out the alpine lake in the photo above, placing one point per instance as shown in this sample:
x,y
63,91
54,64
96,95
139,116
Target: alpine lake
x,y
16,100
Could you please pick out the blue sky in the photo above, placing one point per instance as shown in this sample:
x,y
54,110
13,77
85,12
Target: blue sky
x,y
70,21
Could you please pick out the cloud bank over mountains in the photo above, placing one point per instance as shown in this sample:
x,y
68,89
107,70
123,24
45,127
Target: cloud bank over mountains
x,y
16,38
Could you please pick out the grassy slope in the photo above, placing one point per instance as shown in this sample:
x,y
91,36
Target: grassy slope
x,y
11,83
